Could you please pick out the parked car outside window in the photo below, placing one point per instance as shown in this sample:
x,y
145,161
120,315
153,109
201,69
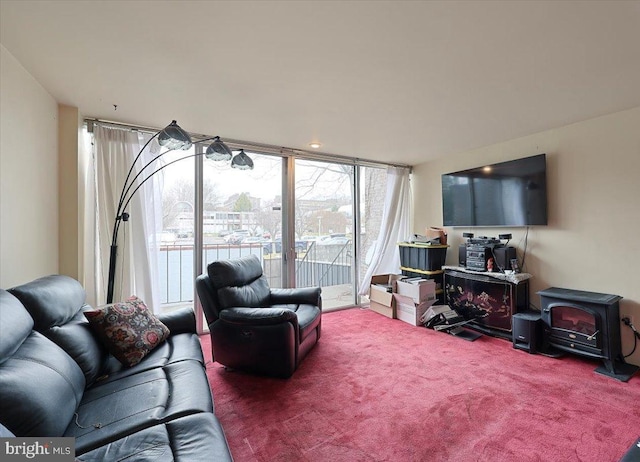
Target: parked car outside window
x,y
237,236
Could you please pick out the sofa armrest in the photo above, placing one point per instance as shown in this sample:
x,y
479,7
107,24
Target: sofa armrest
x,y
179,321
257,316
309,295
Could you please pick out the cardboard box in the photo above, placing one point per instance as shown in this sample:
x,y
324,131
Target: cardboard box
x,y
381,294
388,311
410,312
434,231
387,280
420,290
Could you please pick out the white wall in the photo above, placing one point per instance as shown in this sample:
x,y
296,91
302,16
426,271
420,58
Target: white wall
x,y
591,242
69,176
28,176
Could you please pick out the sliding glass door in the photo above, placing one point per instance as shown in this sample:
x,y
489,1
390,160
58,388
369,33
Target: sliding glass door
x,y
310,222
324,230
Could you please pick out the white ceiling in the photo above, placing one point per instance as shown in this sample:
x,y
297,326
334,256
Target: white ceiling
x,y
394,81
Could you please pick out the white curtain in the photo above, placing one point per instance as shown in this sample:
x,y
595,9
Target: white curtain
x,y
115,150
395,227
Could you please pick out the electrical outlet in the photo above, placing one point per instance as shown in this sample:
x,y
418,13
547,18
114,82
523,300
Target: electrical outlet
x,y
628,316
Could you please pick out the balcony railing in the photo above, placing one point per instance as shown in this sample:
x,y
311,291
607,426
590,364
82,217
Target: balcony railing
x,y
316,265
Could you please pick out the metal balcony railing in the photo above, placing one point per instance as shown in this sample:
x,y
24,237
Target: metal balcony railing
x,y
316,265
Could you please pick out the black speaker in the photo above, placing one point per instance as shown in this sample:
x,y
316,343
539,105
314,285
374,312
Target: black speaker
x,y
503,256
527,331
462,255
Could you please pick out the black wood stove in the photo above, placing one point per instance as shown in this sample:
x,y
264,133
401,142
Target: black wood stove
x,y
585,323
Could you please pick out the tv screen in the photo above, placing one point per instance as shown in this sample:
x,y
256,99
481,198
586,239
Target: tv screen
x,y
512,193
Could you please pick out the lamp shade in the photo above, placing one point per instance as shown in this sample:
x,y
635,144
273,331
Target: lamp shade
x,y
218,150
242,161
174,137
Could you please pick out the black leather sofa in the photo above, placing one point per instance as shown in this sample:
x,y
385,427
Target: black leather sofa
x,y
255,328
57,379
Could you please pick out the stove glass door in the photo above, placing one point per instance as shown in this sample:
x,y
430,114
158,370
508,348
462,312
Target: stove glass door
x,y
573,319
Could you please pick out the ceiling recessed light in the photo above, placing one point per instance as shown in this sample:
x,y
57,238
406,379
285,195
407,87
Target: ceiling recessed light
x,y
315,145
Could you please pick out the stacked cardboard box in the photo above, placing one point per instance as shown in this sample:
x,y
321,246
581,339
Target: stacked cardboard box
x,y
381,294
413,297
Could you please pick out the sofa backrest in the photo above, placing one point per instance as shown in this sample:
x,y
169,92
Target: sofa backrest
x,y
51,300
239,282
56,304
40,385
232,283
15,325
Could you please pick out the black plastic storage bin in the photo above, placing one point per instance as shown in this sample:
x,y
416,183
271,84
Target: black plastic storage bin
x,y
422,257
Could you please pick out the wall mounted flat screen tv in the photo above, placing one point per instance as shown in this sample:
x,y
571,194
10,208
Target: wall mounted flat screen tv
x,y
512,193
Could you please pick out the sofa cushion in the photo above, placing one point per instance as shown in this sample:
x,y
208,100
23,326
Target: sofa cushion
x,y
117,408
176,348
15,325
79,341
128,329
51,300
254,294
191,438
40,385
55,303
40,388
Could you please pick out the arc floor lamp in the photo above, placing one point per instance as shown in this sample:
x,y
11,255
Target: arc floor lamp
x,y
173,138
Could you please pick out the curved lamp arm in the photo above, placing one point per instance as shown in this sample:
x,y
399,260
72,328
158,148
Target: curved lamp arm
x,y
126,204
182,140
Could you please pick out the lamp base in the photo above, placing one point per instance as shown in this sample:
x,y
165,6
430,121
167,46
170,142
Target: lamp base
x,y
112,272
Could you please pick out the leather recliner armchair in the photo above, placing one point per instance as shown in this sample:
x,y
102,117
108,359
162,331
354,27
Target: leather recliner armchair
x,y
255,328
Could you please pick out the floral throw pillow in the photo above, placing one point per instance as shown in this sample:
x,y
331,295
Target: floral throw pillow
x,y
128,329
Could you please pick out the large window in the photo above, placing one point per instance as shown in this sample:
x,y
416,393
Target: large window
x,y
176,240
245,212
242,213
312,221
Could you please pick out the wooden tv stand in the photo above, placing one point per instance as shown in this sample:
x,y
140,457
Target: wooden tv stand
x,y
501,295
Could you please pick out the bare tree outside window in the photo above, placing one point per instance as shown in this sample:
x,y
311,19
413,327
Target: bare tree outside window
x,y
179,196
270,217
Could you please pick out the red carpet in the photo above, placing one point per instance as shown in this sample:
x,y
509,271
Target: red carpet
x,y
376,389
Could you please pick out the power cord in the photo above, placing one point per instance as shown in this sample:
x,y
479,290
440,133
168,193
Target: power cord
x,y
495,261
636,335
524,252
